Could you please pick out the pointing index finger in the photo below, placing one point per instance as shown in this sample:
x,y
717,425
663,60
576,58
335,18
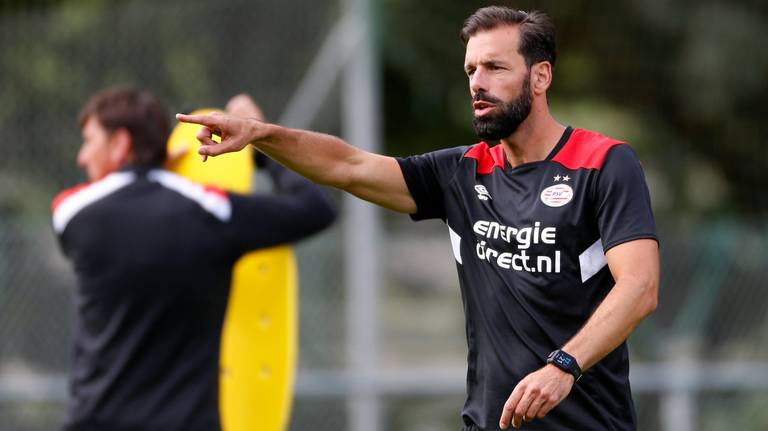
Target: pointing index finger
x,y
201,119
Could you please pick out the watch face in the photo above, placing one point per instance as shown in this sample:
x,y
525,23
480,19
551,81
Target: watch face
x,y
563,360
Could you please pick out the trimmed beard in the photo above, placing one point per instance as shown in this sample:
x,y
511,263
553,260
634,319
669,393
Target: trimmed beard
x,y
505,122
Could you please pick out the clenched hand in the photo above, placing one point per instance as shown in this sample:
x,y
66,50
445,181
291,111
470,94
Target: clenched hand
x,y
535,395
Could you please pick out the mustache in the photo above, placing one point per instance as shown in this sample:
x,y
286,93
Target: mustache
x,y
482,96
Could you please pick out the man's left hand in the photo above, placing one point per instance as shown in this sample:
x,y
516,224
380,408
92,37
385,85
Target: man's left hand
x,y
535,395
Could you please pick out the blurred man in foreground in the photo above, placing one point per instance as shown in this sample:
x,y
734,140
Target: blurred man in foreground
x,y
552,232
153,253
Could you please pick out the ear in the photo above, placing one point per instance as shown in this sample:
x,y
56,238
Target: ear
x,y
541,77
121,149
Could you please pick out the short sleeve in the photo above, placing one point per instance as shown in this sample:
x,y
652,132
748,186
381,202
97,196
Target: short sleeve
x,y
427,177
623,202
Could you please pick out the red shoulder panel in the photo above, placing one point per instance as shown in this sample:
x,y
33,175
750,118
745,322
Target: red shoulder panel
x,y
487,157
216,190
65,194
584,149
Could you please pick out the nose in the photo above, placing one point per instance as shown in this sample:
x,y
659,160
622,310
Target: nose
x,y
478,82
82,156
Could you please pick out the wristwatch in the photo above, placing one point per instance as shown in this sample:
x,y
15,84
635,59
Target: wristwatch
x,y
565,362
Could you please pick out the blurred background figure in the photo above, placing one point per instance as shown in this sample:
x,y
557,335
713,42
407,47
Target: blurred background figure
x,y
153,254
683,81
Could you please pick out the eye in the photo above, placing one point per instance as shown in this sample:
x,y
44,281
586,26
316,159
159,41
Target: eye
x,y
470,72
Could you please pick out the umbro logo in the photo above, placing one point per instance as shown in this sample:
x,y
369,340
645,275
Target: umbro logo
x,y
482,193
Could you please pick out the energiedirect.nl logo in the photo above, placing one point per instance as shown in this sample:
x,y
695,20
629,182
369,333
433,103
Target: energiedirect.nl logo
x,y
521,238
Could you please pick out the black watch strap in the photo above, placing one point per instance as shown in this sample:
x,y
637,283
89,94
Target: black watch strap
x,y
565,362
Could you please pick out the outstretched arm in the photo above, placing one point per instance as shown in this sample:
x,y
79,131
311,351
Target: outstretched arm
x,y
635,267
322,158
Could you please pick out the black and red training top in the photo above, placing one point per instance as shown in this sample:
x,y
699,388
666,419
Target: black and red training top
x,y
529,244
153,253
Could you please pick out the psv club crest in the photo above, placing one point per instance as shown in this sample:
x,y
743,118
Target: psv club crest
x,y
557,195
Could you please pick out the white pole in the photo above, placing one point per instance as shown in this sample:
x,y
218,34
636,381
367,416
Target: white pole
x,y
360,100
678,408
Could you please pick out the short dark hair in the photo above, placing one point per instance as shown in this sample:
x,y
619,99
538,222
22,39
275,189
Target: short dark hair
x,y
537,32
140,113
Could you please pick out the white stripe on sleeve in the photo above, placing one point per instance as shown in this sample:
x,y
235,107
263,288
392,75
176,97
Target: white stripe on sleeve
x,y
592,260
455,244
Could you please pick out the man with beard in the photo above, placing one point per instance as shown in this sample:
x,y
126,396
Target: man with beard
x,y
552,232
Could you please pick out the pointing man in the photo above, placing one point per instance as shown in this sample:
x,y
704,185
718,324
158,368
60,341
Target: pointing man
x,y
552,232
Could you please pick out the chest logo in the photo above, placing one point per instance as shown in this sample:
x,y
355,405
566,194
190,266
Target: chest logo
x,y
482,193
557,195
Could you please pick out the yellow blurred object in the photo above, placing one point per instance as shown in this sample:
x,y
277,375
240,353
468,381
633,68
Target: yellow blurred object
x,y
258,346
231,171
